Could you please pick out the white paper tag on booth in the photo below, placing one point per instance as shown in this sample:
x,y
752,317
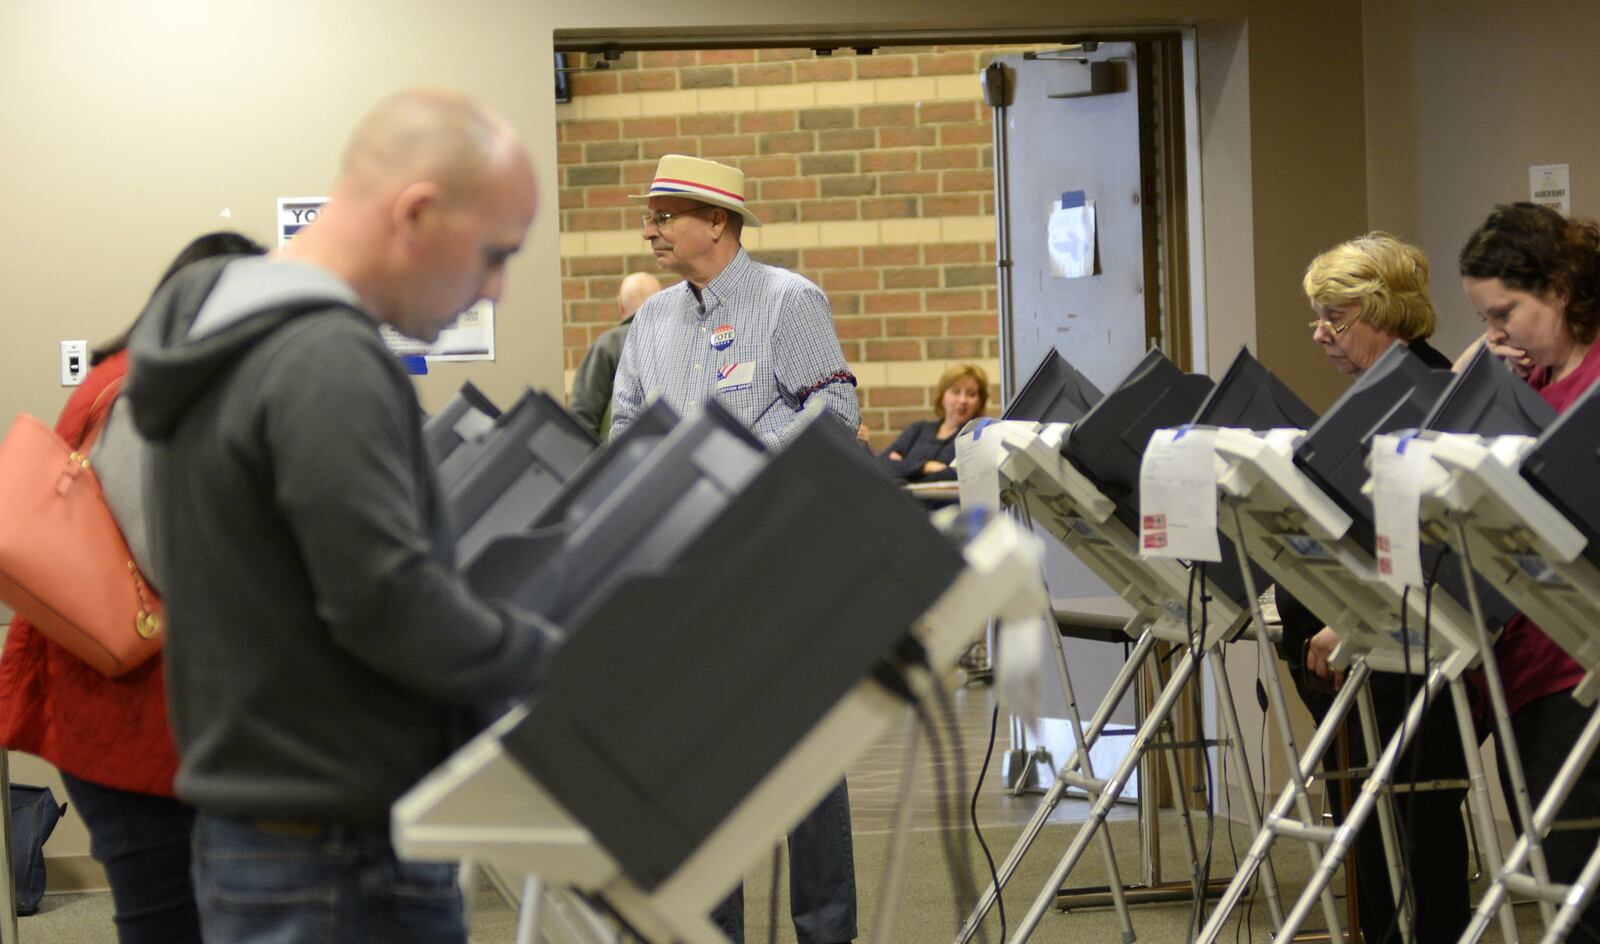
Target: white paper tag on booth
x,y
978,457
1398,466
1178,495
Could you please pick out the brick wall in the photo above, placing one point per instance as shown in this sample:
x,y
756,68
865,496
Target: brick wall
x,y
872,173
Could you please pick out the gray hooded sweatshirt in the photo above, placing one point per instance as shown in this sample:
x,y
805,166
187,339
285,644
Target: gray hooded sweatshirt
x,y
322,652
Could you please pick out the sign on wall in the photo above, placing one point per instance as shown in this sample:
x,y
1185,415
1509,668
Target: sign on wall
x,y
1551,185
469,338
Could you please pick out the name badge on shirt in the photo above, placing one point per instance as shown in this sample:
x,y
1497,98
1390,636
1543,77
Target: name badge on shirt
x,y
731,377
722,337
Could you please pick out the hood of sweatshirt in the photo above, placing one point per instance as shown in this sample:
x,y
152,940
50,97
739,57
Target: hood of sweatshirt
x,y
208,316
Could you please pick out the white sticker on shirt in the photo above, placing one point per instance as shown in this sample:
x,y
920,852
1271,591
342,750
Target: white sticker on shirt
x,y
735,376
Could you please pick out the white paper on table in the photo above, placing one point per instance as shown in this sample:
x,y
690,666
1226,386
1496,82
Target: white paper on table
x,y
978,467
1398,466
1071,239
1178,496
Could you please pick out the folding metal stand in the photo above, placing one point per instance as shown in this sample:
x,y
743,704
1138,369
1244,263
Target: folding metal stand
x,y
1046,488
8,888
1283,521
481,804
544,915
1578,898
1502,527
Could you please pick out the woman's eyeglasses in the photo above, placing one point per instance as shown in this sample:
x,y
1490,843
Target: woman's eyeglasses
x,y
1333,330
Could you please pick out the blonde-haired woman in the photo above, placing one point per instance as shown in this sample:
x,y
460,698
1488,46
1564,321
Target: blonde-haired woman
x,y
1368,293
926,448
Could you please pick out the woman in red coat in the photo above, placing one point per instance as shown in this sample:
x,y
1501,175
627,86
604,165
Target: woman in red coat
x,y
108,736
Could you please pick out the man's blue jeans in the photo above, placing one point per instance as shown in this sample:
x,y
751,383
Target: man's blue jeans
x,y
259,882
822,878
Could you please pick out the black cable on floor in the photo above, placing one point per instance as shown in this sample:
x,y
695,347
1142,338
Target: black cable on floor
x,y
1255,881
994,876
1202,869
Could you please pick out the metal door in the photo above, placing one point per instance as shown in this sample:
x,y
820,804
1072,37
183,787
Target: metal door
x,y
1068,127
1088,144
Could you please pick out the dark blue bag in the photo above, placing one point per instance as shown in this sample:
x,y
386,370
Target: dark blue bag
x,y
34,814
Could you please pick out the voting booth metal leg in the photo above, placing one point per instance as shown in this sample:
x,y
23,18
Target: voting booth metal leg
x,y
545,914
1505,741
1091,784
528,914
1371,792
1578,897
1252,801
1510,877
1108,795
1175,778
894,864
1024,768
1279,820
1120,685
8,887
1151,888
1267,663
1386,817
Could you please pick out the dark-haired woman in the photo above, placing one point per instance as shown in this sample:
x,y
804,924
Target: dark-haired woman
x,y
108,736
1533,276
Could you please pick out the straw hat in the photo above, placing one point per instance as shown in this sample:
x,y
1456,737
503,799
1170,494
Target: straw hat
x,y
678,175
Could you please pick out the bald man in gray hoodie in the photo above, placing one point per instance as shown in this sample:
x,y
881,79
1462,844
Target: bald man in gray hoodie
x,y
323,652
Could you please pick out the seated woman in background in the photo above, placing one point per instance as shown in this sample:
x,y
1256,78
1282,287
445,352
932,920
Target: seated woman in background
x,y
924,452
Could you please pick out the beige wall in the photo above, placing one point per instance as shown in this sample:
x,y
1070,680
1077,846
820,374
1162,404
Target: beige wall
x,y
131,127
1466,96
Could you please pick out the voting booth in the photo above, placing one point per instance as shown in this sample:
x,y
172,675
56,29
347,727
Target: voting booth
x,y
1292,500
688,716
1080,481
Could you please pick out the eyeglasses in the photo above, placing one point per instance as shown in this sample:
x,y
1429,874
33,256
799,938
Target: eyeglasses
x,y
661,217
1333,329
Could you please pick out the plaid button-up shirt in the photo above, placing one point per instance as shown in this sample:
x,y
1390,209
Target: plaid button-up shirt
x,y
783,352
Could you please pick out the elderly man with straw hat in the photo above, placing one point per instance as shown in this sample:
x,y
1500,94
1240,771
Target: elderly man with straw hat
x,y
758,340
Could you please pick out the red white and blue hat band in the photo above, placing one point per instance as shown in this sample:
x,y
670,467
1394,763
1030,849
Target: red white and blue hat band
x,y
665,185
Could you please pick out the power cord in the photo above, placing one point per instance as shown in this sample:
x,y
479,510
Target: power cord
x,y
1408,888
1202,869
994,876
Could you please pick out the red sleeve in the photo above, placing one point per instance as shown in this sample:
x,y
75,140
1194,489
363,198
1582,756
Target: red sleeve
x,y
86,406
